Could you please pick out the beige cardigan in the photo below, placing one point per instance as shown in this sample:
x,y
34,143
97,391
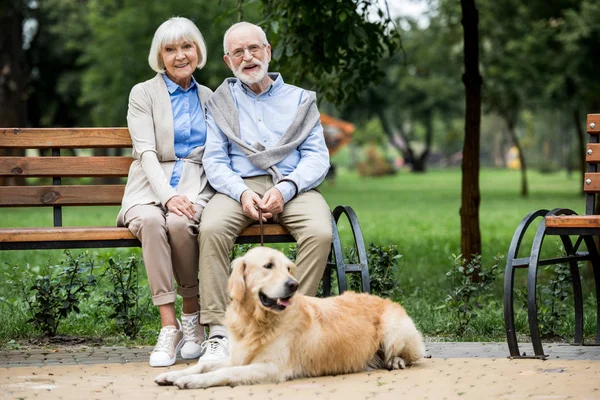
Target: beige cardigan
x,y
150,122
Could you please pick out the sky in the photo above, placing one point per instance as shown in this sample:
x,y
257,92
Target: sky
x,y
410,8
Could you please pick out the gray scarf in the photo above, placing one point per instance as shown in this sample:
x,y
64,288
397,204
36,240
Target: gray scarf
x,y
225,114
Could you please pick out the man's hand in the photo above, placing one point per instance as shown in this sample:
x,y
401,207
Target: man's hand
x,y
181,205
274,202
250,203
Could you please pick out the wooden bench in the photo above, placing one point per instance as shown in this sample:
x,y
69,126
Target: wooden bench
x,y
51,192
565,224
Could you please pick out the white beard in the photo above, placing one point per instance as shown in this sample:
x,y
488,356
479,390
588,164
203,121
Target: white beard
x,y
254,76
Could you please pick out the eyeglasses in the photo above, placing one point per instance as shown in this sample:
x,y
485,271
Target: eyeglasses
x,y
253,49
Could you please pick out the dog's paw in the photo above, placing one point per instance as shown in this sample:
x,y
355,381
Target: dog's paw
x,y
167,378
396,363
190,382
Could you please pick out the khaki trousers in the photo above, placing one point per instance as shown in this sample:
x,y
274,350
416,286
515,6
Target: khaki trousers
x,y
169,248
308,219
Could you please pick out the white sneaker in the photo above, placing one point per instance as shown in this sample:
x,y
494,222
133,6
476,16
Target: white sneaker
x,y
215,349
168,344
193,336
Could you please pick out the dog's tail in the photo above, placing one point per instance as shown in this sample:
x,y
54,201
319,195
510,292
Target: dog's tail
x,y
401,337
414,347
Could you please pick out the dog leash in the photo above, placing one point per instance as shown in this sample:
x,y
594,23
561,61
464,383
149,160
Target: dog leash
x,y
260,221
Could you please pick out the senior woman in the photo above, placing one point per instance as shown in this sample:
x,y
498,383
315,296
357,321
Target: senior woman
x,y
166,188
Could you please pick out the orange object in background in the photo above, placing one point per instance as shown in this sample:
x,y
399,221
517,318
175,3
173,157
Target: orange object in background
x,y
337,132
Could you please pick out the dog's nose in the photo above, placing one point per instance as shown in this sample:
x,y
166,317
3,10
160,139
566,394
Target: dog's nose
x,y
291,285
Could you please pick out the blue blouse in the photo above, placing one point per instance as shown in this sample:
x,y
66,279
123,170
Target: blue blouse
x,y
188,122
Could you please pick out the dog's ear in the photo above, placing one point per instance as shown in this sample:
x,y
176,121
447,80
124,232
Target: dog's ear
x,y
237,279
292,268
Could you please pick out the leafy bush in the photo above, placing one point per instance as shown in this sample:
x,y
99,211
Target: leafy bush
x,y
383,269
58,291
374,164
553,305
470,287
552,297
124,299
239,250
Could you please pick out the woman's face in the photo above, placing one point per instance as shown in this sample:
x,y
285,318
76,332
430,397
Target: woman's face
x,y
180,60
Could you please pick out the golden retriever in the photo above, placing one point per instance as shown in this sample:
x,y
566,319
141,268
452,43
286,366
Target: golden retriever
x,y
277,334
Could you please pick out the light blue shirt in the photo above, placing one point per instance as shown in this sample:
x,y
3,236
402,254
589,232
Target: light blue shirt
x,y
264,118
188,123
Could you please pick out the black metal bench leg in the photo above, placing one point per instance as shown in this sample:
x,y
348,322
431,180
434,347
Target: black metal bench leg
x,y
509,280
336,249
509,315
362,267
534,328
532,281
327,280
597,283
577,293
595,259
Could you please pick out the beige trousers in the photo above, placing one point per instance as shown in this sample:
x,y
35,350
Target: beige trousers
x,y
169,248
307,217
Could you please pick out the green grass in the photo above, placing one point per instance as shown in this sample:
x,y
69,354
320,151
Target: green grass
x,y
420,213
417,212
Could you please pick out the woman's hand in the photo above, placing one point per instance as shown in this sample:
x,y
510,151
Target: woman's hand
x,y
181,205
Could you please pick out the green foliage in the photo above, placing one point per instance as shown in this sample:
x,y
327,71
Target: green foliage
x,y
58,291
333,44
52,56
383,269
291,252
124,298
369,132
374,163
470,287
420,93
553,292
239,250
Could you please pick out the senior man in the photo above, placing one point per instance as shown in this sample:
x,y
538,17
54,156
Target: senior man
x,y
265,150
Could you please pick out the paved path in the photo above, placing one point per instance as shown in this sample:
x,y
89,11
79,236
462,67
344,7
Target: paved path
x,y
453,371
82,355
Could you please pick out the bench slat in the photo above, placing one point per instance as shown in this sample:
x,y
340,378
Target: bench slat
x,y
269,229
594,182
593,119
79,233
573,221
87,233
65,166
68,195
66,138
594,149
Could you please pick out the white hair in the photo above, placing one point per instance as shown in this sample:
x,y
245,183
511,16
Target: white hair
x,y
261,34
172,31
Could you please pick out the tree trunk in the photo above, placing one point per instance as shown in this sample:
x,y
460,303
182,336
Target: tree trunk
x,y
513,135
421,161
580,146
13,80
469,210
396,138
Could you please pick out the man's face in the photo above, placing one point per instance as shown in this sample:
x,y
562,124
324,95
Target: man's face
x,y
248,57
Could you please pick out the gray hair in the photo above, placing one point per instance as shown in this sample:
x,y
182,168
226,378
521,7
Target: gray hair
x,y
171,31
261,34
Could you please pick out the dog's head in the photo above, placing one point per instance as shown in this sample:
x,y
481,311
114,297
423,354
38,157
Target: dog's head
x,y
266,275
